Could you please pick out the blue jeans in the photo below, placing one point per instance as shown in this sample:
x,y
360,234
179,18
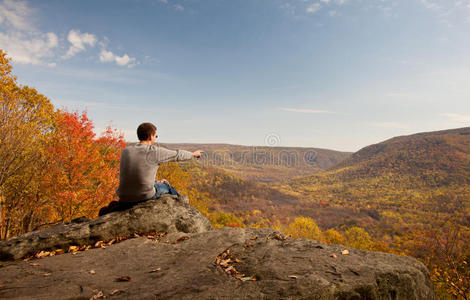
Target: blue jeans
x,y
163,188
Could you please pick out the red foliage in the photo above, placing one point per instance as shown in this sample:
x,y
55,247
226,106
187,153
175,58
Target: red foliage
x,y
84,170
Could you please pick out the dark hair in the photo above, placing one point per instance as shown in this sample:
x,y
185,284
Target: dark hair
x,y
145,131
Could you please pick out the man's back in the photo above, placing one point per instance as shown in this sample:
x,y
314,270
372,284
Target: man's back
x,y
138,169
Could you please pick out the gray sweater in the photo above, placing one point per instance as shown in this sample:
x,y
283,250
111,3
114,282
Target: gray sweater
x,y
138,169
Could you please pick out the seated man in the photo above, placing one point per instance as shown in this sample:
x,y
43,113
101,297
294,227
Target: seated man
x,y
138,169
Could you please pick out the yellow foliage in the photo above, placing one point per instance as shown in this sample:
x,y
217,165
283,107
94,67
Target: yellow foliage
x,y
304,228
333,237
357,237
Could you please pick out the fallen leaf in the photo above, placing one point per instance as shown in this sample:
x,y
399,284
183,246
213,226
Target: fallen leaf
x,y
111,242
46,274
34,264
246,245
247,278
123,278
334,255
98,296
228,269
293,276
135,235
98,244
73,248
225,263
59,251
237,260
155,270
115,292
92,272
253,238
183,238
345,252
42,254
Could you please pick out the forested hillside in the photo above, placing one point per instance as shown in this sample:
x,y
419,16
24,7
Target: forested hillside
x,y
266,164
416,188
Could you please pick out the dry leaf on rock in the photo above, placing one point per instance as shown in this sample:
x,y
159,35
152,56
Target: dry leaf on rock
x,y
92,272
42,254
115,292
247,278
293,276
183,238
345,252
334,255
100,295
155,270
123,278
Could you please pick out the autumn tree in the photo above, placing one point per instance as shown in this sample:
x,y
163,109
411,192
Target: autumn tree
x,y
26,121
357,237
332,236
82,170
304,228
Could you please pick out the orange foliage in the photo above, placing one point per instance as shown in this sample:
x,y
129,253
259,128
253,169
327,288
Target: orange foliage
x,y
83,171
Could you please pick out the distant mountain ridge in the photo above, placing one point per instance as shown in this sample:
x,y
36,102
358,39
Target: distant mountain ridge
x,y
444,153
264,163
307,157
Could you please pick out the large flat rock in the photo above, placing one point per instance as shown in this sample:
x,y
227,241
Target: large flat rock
x,y
189,269
165,214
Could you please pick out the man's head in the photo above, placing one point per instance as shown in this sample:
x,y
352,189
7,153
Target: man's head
x,y
146,132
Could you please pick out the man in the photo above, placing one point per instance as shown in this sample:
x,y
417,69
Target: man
x,y
138,169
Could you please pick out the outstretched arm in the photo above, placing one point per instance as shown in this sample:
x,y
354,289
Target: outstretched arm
x,y
165,155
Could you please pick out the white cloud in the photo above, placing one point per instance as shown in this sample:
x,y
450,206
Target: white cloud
x,y
457,117
26,44
108,56
16,14
313,8
20,39
29,49
332,13
179,7
79,41
325,1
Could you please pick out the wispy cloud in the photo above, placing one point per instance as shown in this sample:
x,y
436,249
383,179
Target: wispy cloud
x,y
430,4
22,41
124,60
308,111
79,42
457,117
25,43
313,8
16,14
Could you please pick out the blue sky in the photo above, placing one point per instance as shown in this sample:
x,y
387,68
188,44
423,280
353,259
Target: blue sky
x,y
337,74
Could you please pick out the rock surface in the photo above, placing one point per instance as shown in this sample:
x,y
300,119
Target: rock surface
x,y
165,214
191,266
